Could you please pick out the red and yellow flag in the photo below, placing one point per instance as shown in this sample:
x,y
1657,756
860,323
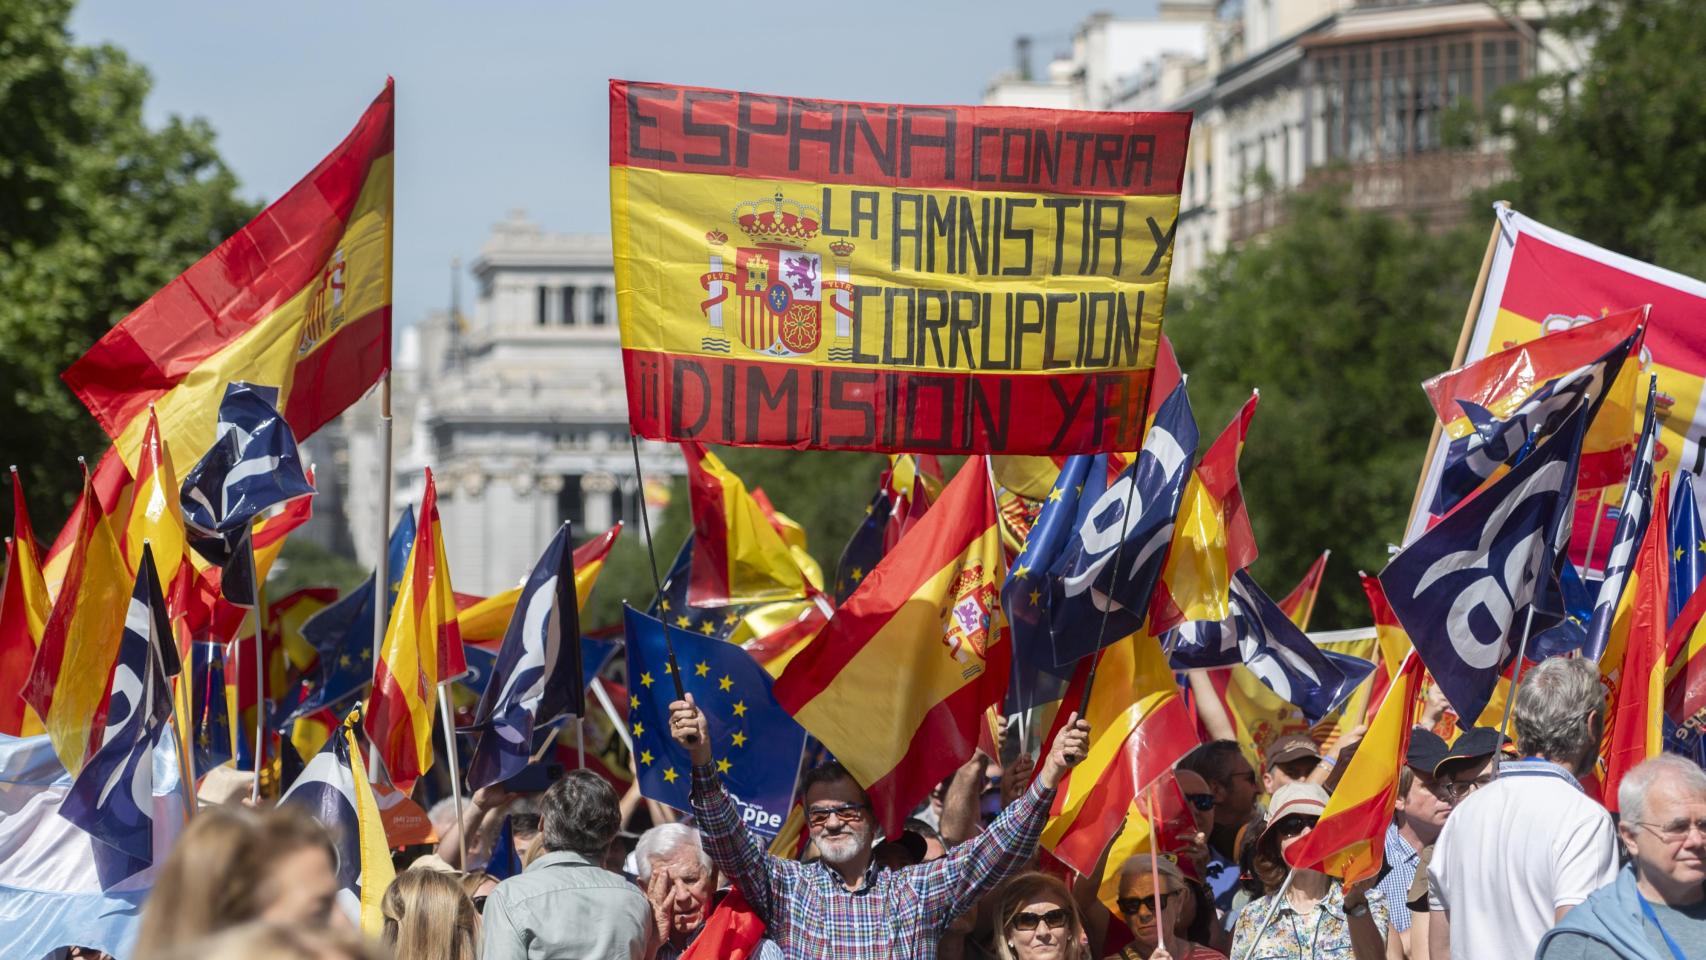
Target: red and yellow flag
x,y
1348,841
1636,730
895,686
422,649
298,299
870,276
1140,726
1299,604
67,684
483,621
24,609
1212,538
738,555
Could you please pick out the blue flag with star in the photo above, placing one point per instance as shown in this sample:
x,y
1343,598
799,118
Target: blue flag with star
x,y
212,714
756,744
671,605
1688,544
1025,593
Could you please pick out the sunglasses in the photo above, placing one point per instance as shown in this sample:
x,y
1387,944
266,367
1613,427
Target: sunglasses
x,y
1292,826
1201,801
848,812
1026,920
1133,906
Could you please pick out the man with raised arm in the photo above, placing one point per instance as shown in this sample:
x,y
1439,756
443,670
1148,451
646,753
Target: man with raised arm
x,y
842,906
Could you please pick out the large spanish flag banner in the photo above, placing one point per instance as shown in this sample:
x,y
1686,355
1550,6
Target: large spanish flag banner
x,y
1543,282
299,299
873,276
897,684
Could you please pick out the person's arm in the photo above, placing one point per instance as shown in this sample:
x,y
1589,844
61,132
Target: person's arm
x,y
1210,710
960,805
733,849
1331,757
487,802
952,885
1091,909
1367,921
1439,934
1587,861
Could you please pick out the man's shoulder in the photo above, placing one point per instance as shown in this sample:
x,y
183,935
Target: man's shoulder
x,y
555,879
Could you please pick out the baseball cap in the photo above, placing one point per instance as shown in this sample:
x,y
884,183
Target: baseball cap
x,y
1427,751
1295,799
1292,746
1475,743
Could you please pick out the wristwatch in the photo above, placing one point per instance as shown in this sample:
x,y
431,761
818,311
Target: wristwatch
x,y
1360,910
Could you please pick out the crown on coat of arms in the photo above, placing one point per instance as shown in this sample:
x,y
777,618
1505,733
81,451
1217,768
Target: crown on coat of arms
x,y
777,220
716,238
841,248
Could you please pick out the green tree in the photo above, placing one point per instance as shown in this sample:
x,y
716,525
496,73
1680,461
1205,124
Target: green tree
x,y
1614,150
97,212
1336,315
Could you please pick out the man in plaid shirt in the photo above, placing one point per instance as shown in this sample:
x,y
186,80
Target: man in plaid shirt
x,y
842,906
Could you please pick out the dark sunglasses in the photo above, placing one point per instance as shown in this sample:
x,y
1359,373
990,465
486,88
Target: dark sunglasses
x,y
1131,906
848,812
1025,920
1292,826
1202,801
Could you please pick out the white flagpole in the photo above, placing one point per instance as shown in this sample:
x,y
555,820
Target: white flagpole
x,y
258,611
381,575
455,768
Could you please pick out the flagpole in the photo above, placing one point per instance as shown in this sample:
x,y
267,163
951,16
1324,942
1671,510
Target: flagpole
x,y
1593,532
382,575
1107,600
1273,908
580,741
455,767
1516,677
1462,351
1154,853
260,674
610,709
651,554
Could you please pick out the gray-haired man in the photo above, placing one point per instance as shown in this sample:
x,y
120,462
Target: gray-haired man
x,y
1657,908
1521,852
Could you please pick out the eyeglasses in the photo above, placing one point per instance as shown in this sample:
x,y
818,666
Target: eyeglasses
x,y
1675,830
848,812
1133,906
1026,920
1456,790
1293,825
1202,801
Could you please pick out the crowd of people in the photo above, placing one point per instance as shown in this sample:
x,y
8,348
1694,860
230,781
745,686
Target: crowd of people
x,y
1495,850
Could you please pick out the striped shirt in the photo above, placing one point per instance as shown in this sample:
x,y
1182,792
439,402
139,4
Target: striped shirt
x,y
897,914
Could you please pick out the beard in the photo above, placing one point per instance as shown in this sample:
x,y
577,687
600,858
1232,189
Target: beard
x,y
843,849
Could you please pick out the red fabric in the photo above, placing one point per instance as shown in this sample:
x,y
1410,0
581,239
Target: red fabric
x,y
1632,712
16,647
731,932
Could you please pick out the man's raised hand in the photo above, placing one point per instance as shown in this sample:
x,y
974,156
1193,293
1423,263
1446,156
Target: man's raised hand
x,y
1068,750
687,726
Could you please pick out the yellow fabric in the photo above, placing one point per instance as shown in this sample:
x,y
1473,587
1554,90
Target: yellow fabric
x,y
308,735
882,694
376,870
1372,771
761,564
297,650
156,514
26,566
1134,838
1196,574
486,621
96,621
1029,477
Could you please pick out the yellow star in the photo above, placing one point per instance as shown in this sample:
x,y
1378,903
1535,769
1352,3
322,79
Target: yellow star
x,y
669,775
646,757
1678,552
645,679
344,661
1054,495
668,668
857,574
682,621
633,702
723,766
1702,547
725,684
740,739
702,669
663,605
1080,488
366,653
639,729
1021,571
731,618
740,708
706,628
205,741
867,509
1036,596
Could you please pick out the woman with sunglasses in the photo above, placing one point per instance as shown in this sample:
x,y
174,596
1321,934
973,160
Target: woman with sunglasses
x,y
1154,915
1314,916
1038,920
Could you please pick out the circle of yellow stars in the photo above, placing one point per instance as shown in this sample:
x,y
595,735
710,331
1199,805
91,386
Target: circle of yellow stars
x,y
725,684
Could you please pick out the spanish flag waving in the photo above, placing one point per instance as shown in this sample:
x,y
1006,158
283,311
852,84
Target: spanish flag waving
x,y
422,649
1212,538
738,555
1349,840
24,609
897,682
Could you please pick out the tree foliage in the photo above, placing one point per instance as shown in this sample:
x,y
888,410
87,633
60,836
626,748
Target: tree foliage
x,y
97,212
1614,150
1336,315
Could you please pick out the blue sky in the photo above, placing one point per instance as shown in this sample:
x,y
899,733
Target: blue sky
x,y
502,103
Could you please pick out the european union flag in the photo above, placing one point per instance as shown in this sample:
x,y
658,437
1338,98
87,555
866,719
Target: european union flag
x,y
1688,544
1025,593
1095,577
757,745
1636,513
671,605
864,548
212,713
1260,636
342,634
112,796
1464,589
